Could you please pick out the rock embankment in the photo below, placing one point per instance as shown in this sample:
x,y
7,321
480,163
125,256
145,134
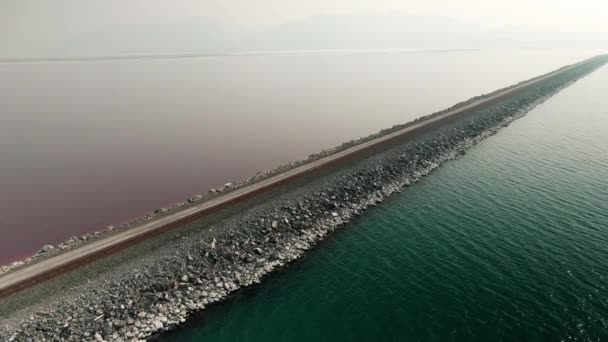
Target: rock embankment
x,y
159,294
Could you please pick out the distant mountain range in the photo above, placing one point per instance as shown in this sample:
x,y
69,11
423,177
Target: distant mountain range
x,y
203,36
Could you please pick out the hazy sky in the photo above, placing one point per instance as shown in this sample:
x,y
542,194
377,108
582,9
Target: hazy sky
x,y
580,15
36,23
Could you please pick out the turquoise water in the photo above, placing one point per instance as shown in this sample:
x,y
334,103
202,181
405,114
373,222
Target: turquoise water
x,y
509,242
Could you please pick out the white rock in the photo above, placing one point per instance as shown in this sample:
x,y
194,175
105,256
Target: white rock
x,y
158,325
47,248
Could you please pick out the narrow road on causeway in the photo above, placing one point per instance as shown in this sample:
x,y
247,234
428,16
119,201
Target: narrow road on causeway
x,y
37,272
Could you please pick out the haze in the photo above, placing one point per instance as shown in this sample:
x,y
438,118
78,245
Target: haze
x,y
114,27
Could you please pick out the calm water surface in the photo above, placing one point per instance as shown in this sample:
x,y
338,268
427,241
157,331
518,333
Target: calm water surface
x,y
510,243
87,144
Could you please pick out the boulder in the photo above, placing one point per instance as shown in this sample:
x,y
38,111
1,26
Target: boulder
x,y
46,249
158,325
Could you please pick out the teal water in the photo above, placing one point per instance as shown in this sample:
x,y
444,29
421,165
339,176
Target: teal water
x,y
509,242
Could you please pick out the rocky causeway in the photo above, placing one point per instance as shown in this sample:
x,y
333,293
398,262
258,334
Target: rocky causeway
x,y
149,295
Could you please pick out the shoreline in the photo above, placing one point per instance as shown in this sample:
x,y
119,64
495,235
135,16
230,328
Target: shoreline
x,y
152,56
163,292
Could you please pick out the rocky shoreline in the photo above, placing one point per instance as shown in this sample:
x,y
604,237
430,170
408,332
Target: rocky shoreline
x,y
161,293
